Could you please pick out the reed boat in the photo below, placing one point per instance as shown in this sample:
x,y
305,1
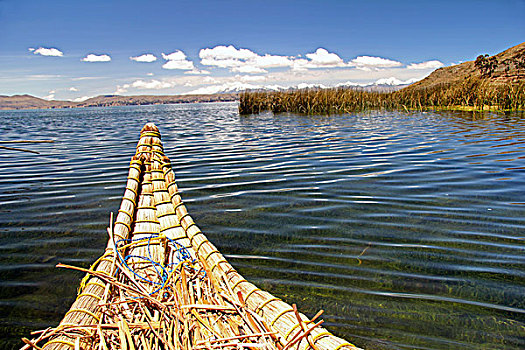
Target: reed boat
x,y
161,284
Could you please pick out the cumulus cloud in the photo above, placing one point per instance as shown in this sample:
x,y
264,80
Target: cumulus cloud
x,y
224,56
73,89
247,61
43,51
183,65
177,60
434,64
322,58
371,62
146,58
241,60
300,64
96,58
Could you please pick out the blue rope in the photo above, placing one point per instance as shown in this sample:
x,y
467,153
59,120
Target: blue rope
x,y
182,254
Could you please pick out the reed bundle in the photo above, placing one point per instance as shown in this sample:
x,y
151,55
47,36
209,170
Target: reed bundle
x,y
162,285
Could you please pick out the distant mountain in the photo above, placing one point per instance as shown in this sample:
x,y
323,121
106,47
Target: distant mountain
x,y
380,85
117,100
385,84
28,101
505,67
31,102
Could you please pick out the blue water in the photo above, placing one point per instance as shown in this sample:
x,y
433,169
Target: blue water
x,y
407,229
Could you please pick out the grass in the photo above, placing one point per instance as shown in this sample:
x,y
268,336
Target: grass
x,y
471,94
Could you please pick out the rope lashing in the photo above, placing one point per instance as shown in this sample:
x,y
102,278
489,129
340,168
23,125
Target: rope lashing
x,y
182,255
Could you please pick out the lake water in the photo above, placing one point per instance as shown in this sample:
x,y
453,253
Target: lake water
x,y
407,229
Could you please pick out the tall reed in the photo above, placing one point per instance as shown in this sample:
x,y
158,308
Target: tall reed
x,y
472,93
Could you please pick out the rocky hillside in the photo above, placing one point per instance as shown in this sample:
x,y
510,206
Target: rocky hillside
x,y
505,67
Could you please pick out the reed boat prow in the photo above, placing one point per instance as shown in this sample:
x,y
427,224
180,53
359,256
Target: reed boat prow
x,y
161,284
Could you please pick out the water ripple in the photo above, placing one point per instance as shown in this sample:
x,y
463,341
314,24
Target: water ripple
x,y
407,229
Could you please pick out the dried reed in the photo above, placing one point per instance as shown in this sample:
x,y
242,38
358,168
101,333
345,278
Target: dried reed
x,y
471,94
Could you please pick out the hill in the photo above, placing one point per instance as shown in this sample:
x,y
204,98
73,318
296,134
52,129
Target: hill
x,y
31,102
503,68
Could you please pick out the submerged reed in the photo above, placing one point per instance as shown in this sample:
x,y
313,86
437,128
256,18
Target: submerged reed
x,y
471,94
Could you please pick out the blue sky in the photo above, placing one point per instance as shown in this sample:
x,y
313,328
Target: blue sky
x,y
209,46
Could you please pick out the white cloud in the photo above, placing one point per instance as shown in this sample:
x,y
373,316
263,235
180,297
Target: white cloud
x,y
73,89
177,60
300,64
96,58
426,65
183,65
253,71
43,51
374,62
50,97
322,58
241,60
219,53
151,85
150,74
147,58
174,56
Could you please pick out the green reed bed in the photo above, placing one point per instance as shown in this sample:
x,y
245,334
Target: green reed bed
x,y
471,94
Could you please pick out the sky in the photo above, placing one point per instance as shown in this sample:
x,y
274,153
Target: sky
x,y
73,50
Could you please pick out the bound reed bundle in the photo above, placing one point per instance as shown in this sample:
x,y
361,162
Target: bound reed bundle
x,y
162,285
